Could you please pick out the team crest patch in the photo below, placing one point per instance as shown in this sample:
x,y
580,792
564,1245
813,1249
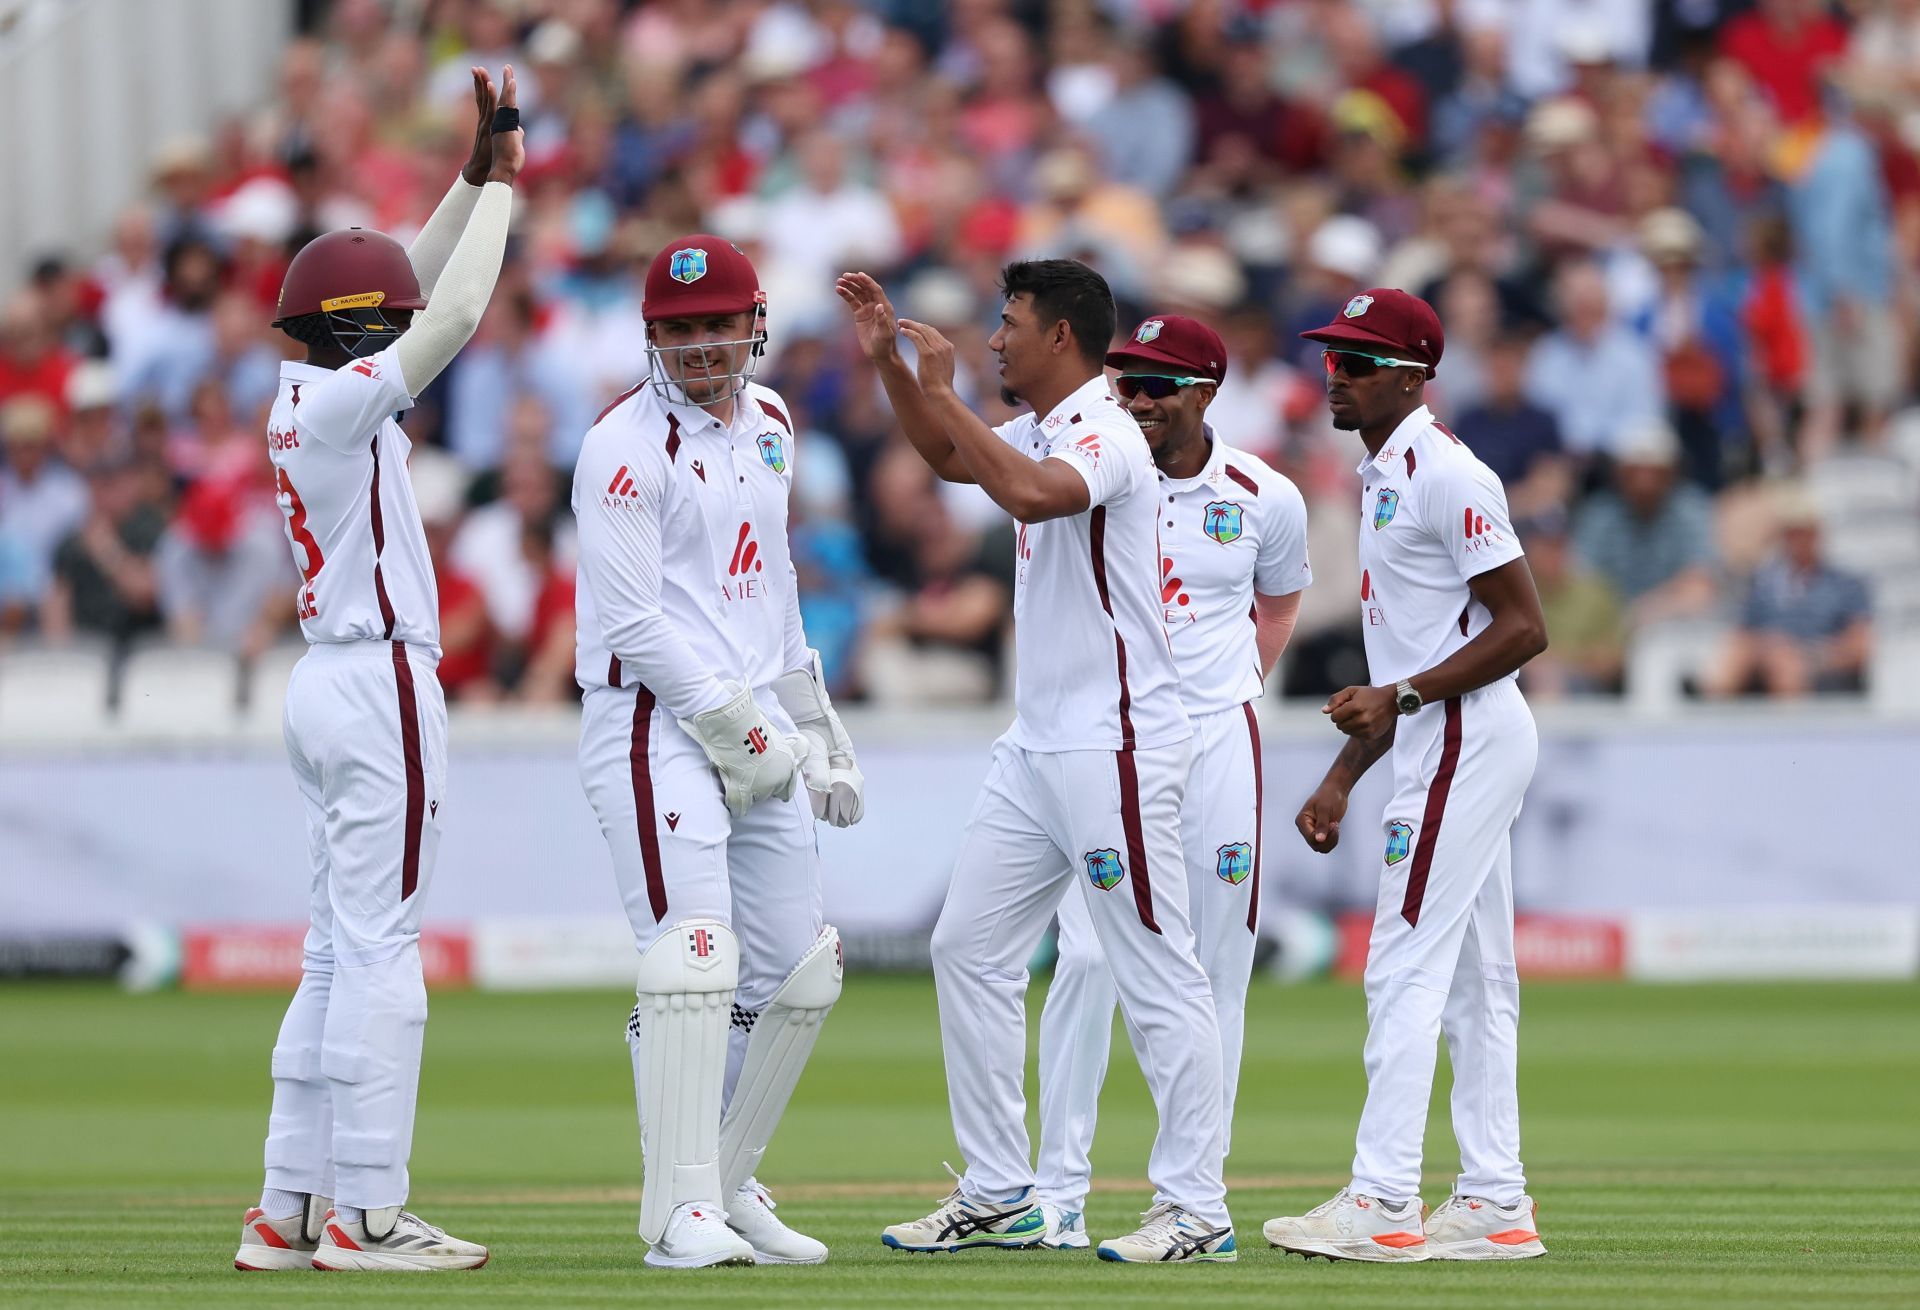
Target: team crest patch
x,y
773,452
1358,306
1224,521
1385,507
689,265
1103,868
1399,840
1236,862
1149,330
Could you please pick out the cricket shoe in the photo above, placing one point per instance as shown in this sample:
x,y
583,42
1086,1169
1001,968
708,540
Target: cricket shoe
x,y
697,1236
1066,1229
961,1224
281,1243
750,1215
1474,1228
406,1242
1168,1233
1353,1227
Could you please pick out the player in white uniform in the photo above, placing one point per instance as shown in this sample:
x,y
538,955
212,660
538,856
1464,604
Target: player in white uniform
x,y
1083,794
703,710
1233,545
366,725
1451,614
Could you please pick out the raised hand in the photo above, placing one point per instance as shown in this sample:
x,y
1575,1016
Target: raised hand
x,y
480,160
509,148
873,323
936,356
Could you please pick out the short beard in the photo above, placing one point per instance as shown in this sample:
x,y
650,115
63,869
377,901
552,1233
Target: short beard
x,y
1346,424
1007,396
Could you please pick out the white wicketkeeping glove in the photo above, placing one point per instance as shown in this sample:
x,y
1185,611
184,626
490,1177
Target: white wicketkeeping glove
x,y
754,759
834,784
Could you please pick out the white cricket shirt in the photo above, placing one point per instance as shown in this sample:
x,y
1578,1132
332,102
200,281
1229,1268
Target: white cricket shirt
x,y
340,471
685,577
1093,670
1431,517
1235,529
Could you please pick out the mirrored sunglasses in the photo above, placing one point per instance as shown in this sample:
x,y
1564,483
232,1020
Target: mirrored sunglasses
x,y
1157,386
1358,364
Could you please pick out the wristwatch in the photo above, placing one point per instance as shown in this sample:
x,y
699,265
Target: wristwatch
x,y
1405,698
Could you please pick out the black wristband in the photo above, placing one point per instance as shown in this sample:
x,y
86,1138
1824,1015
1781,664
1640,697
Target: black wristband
x,y
505,119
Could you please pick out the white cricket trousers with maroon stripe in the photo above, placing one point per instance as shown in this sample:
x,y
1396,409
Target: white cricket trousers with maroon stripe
x,y
1441,953
366,731
1220,832
1050,825
678,854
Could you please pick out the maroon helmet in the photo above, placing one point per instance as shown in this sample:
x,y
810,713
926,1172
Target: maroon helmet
x,y
699,276
1173,341
1386,321
350,277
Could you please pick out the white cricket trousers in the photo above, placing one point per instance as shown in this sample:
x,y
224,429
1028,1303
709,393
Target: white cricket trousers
x,y
1220,834
1441,954
678,854
1105,826
366,731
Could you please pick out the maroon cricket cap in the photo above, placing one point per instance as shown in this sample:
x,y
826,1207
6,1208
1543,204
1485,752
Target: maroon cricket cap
x,y
697,275
1175,340
1386,320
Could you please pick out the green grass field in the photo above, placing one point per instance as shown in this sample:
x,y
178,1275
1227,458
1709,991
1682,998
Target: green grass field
x,y
1728,1146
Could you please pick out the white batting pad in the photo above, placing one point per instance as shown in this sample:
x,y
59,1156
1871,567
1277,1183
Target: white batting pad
x,y
678,1036
777,1049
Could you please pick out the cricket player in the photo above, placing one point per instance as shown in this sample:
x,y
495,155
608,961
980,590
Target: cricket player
x,y
704,713
1233,562
1451,614
1083,794
366,725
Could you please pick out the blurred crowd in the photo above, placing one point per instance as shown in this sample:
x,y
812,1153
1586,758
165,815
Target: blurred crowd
x,y
1674,246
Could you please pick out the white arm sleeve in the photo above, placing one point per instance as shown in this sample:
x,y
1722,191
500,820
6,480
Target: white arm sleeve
x,y
620,561
430,249
461,293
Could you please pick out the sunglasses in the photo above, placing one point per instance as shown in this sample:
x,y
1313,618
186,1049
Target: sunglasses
x,y
1360,365
1156,386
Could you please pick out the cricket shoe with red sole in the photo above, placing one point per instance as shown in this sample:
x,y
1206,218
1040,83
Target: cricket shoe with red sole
x,y
405,1241
697,1237
1354,1227
1474,1228
751,1216
280,1243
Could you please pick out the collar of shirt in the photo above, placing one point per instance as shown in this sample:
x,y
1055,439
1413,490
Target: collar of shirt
x,y
298,370
1410,427
746,410
1093,389
1216,456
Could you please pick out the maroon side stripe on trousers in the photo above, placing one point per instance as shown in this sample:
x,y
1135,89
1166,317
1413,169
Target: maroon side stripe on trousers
x,y
1136,838
416,776
643,813
1435,812
1259,805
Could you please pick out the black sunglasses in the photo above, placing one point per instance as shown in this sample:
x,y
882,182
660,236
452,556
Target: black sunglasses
x,y
1157,386
1359,365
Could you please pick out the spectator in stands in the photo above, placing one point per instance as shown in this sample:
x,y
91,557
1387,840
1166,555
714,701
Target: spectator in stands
x,y
104,585
1650,535
1805,626
1695,327
1584,615
94,423
1598,380
71,304
32,361
490,546
1785,45
1145,130
41,500
163,355
545,675
1514,437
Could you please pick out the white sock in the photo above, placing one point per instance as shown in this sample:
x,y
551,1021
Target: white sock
x,y
282,1205
352,1214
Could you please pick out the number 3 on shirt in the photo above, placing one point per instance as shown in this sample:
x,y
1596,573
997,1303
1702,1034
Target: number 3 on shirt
x,y
296,512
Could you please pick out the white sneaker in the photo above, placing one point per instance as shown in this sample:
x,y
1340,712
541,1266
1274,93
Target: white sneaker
x,y
960,1225
1474,1228
1066,1229
409,1242
697,1236
1353,1227
281,1243
1169,1233
750,1214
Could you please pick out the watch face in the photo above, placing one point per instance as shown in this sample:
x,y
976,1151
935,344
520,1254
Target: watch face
x,y
1409,702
